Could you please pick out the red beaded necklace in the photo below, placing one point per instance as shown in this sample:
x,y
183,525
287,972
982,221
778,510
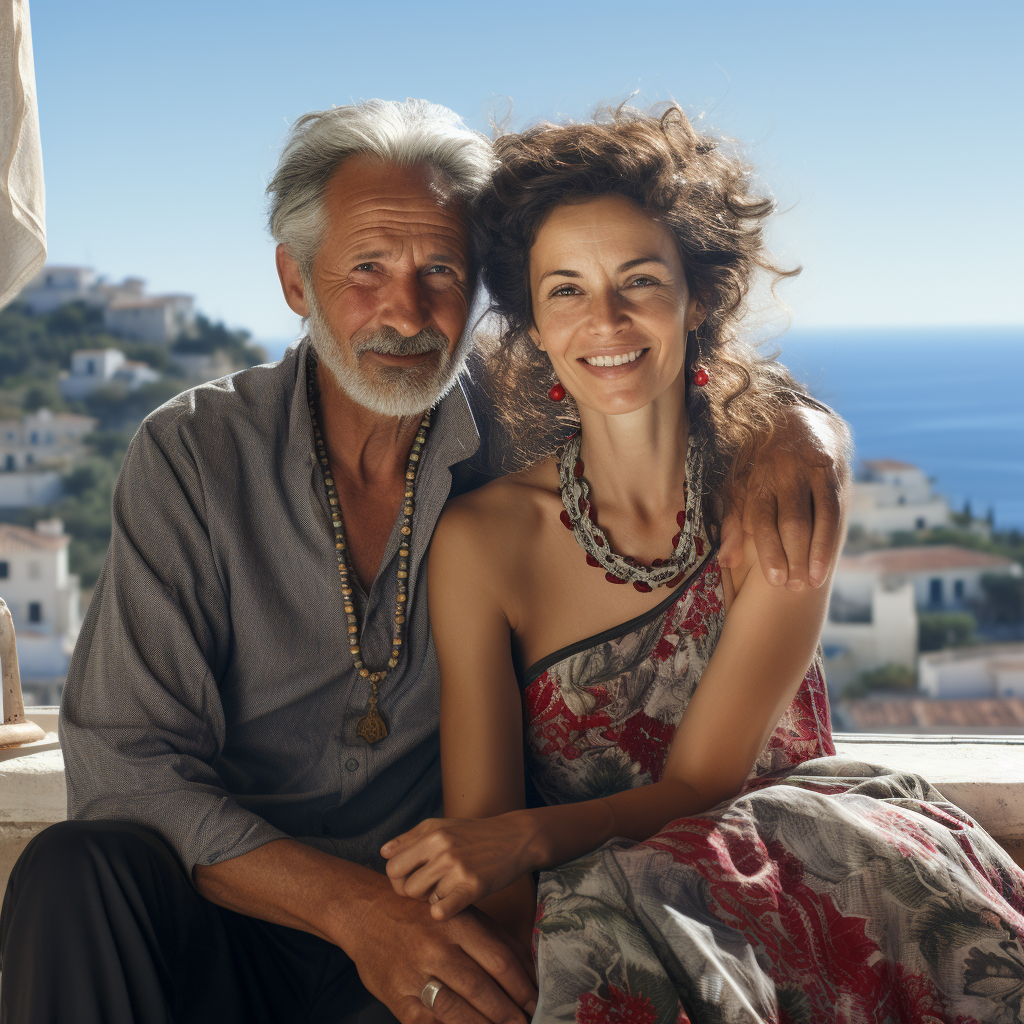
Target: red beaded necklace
x,y
579,517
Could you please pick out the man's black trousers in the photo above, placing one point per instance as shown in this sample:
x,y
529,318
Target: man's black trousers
x,y
100,925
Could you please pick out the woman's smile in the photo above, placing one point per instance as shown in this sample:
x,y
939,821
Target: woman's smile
x,y
614,364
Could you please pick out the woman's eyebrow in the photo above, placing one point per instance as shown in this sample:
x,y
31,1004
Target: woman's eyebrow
x,y
630,264
559,273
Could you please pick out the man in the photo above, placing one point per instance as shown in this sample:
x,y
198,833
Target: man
x,y
251,711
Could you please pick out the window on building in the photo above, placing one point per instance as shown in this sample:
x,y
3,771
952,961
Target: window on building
x,y
5,570
919,523
935,590
958,590
29,459
35,611
90,366
33,570
34,437
10,464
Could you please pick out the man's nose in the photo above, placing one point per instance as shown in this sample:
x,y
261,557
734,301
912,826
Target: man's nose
x,y
404,304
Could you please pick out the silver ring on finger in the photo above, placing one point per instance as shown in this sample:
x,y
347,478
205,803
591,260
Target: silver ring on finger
x,y
429,994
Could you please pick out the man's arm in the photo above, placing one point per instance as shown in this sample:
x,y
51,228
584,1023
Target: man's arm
x,y
142,725
395,943
790,500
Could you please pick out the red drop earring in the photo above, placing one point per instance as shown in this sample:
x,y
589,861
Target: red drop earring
x,y
557,393
700,375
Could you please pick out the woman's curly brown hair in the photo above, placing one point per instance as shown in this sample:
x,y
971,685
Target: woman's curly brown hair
x,y
704,195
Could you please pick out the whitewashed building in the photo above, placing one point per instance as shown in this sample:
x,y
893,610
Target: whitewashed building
x,y
878,629
944,577
43,597
127,311
158,319
35,451
995,670
891,496
55,286
93,367
43,439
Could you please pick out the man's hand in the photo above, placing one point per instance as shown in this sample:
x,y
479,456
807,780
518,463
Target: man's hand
x,y
401,947
396,945
791,500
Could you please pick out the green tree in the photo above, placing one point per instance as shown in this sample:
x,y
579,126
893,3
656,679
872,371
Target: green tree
x,y
936,630
890,678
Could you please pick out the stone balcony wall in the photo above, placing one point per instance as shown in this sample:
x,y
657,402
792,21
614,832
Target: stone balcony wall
x,y
983,775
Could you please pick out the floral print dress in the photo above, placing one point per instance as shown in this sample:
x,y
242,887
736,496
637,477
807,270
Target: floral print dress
x,y
828,890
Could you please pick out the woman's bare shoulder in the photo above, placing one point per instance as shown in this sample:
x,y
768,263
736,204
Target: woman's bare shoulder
x,y
500,516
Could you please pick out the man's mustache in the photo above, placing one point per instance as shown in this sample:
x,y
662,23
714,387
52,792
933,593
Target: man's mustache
x,y
391,342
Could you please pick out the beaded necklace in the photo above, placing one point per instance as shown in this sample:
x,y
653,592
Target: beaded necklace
x,y
579,516
371,727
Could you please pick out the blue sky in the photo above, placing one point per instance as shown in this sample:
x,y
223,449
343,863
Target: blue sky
x,y
891,131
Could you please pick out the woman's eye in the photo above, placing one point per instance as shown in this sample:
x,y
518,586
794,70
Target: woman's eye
x,y
365,267
564,289
642,282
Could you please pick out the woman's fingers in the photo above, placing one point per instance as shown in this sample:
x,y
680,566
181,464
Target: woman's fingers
x,y
406,839
444,908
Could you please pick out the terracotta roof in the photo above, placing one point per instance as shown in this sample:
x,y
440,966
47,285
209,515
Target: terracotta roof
x,y
888,464
940,715
20,538
926,558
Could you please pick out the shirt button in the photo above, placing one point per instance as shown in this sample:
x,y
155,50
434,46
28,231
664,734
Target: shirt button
x,y
351,764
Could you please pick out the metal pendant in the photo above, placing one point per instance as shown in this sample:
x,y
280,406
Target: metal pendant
x,y
371,726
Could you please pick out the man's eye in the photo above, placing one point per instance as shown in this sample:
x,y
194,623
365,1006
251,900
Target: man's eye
x,y
364,267
439,268
642,282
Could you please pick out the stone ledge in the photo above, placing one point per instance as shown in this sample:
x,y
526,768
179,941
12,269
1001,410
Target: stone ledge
x,y
983,775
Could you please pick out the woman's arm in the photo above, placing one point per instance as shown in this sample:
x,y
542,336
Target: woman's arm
x,y
481,711
768,640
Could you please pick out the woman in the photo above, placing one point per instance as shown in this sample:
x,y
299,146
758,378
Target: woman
x,y
717,862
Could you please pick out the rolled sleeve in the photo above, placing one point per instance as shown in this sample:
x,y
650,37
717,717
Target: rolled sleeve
x,y
142,723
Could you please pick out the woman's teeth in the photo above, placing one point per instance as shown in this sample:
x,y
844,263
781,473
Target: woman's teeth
x,y
617,360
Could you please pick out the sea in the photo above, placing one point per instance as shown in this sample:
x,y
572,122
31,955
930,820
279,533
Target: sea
x,y
948,400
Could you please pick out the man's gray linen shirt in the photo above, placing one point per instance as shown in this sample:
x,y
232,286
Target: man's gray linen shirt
x,y
211,696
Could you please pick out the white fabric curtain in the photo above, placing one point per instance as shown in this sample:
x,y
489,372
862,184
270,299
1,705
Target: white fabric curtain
x,y
22,199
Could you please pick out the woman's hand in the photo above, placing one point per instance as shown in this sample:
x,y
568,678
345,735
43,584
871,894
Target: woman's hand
x,y
454,862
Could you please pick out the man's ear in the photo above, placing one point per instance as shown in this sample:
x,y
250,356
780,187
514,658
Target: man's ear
x,y
291,282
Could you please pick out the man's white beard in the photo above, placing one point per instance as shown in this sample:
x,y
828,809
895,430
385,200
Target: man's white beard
x,y
389,390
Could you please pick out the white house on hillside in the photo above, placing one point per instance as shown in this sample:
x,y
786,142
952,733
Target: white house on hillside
x,y
55,286
995,670
42,595
159,319
891,496
93,367
879,629
944,577
127,311
35,451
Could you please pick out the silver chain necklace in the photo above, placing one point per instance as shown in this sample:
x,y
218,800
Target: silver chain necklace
x,y
579,516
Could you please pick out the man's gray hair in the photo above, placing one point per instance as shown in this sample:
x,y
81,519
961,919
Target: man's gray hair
x,y
404,134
